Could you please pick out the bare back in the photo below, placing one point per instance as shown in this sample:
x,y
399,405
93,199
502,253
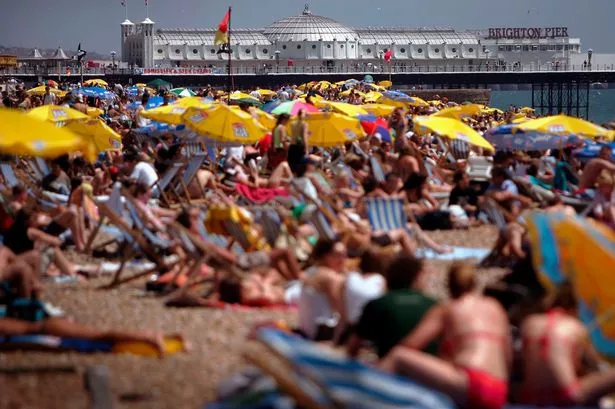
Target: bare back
x,y
476,335
553,346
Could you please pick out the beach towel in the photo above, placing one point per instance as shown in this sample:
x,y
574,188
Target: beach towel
x,y
458,253
262,194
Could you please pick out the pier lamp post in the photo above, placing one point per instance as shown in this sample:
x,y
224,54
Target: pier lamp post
x,y
590,52
277,60
113,54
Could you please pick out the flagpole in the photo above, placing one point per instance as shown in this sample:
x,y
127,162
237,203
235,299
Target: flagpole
x,y
126,8
146,9
230,55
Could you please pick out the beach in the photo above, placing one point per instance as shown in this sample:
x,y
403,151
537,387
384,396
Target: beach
x,y
218,339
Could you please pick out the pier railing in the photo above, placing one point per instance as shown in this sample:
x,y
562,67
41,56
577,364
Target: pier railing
x,y
269,69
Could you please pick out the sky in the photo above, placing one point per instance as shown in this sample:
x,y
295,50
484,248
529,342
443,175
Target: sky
x,y
95,23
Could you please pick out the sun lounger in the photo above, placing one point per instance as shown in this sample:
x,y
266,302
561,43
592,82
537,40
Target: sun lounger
x,y
386,214
319,378
479,168
164,182
377,171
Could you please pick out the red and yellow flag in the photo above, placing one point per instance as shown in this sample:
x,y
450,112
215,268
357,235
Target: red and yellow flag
x,y
222,33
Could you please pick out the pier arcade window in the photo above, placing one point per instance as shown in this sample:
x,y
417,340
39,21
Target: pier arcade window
x,y
543,48
454,50
517,48
559,47
213,51
420,51
177,51
284,47
195,51
437,50
403,51
341,45
471,49
247,51
501,48
534,48
298,46
313,46
160,51
369,51
526,48
265,51
328,45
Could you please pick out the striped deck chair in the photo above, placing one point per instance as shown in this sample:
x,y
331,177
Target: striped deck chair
x,y
460,149
323,227
192,148
331,380
188,174
11,181
377,171
495,214
386,214
479,168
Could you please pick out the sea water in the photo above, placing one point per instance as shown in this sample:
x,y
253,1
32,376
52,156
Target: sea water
x,y
601,102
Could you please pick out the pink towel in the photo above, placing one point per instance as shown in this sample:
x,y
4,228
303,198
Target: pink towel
x,y
261,194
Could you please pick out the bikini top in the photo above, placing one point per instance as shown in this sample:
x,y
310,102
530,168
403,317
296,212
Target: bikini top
x,y
546,339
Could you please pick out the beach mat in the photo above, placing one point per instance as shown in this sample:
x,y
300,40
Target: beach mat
x,y
458,253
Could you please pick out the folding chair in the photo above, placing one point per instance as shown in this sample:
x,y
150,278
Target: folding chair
x,y
115,205
11,180
320,378
495,213
188,174
163,183
377,169
479,168
271,222
386,214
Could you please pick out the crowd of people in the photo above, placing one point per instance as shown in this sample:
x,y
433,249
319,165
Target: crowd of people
x,y
357,287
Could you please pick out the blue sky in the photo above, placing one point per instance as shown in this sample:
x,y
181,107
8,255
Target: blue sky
x,y
95,23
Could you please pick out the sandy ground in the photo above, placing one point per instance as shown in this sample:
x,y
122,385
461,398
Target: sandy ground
x,y
179,381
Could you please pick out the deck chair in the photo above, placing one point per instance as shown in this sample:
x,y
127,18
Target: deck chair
x,y
138,240
386,214
11,180
479,168
270,221
377,171
495,213
115,205
188,174
319,378
159,187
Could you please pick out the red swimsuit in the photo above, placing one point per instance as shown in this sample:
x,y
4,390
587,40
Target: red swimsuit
x,y
563,396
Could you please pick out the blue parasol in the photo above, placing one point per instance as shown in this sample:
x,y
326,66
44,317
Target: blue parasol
x,y
510,138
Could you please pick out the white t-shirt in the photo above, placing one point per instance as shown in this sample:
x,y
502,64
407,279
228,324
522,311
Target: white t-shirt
x,y
144,173
141,120
49,99
359,291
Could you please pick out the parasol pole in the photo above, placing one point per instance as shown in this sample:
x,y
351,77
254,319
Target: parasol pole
x,y
230,58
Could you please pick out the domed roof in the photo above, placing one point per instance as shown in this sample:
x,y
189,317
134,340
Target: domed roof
x,y
307,26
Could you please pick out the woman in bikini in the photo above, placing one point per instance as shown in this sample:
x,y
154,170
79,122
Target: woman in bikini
x,y
554,345
476,347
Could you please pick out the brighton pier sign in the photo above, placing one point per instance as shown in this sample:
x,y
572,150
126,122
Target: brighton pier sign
x,y
527,33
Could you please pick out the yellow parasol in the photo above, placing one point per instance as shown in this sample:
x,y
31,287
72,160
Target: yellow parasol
x,y
24,135
41,90
564,125
266,92
372,97
350,91
327,129
97,133
140,85
451,129
56,114
172,114
378,109
460,111
97,82
527,110
265,119
224,124
343,108
385,84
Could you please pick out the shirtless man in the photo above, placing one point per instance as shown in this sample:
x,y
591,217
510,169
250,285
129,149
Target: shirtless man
x,y
594,167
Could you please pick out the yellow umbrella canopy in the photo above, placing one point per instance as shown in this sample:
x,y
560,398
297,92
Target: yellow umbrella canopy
x,y
24,135
266,92
385,84
350,91
327,129
97,81
224,124
564,125
97,133
343,108
56,114
170,114
460,111
41,90
94,112
372,96
378,109
451,129
265,119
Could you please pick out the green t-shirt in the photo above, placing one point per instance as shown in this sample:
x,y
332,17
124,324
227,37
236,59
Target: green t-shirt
x,y
389,319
